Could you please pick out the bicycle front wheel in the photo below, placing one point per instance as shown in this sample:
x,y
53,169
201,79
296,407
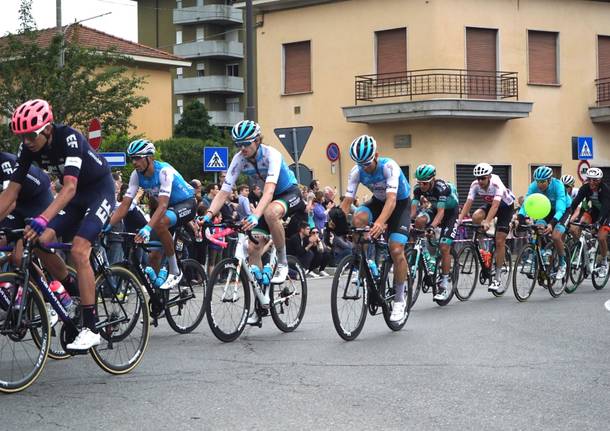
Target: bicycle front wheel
x,y
289,299
186,302
388,293
124,321
415,274
556,286
576,253
453,277
506,269
24,342
468,270
598,277
525,273
348,298
228,299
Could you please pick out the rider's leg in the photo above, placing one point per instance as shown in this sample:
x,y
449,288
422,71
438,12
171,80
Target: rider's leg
x,y
445,258
255,251
80,252
397,252
161,228
602,236
273,216
557,238
478,216
500,249
52,262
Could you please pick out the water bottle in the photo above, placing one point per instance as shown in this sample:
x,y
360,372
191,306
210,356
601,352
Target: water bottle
x,y
161,277
486,255
151,274
428,261
258,275
62,294
373,268
267,274
546,256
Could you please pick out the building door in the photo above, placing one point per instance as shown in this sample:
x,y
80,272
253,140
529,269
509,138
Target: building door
x,y
481,63
603,70
464,177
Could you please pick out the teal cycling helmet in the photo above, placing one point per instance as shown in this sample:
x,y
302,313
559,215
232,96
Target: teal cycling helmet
x,y
425,173
245,131
543,173
363,149
140,148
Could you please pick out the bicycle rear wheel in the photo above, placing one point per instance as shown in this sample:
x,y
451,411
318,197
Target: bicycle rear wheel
x,y
348,298
24,343
228,299
468,267
525,273
506,269
289,299
185,307
577,265
557,286
124,323
453,277
415,275
599,282
389,293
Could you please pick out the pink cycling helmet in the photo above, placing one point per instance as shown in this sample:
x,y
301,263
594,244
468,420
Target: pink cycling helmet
x,y
31,116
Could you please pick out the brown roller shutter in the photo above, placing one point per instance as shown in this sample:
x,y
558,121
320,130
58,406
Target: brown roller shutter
x,y
391,50
297,67
603,70
481,62
542,55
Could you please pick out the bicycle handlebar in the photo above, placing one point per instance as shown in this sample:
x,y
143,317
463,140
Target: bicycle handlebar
x,y
232,225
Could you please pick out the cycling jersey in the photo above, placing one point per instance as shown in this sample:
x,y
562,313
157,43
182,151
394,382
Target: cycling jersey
x,y
556,193
268,165
387,178
36,181
69,154
165,181
495,191
598,200
442,194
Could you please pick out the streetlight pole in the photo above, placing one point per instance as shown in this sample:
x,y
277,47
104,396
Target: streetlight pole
x,y
250,108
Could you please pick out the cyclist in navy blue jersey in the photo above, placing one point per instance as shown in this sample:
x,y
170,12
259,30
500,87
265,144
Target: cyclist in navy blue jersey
x,y
80,209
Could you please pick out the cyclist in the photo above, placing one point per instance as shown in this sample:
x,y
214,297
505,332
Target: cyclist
x,y
499,202
388,209
443,213
598,195
553,189
175,204
79,210
568,182
281,196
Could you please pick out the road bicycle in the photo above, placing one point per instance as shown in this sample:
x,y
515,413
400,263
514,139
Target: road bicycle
x,y
477,265
360,286
234,292
585,254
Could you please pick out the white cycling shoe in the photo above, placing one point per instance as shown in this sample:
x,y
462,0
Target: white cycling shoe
x,y
398,311
85,340
281,274
171,281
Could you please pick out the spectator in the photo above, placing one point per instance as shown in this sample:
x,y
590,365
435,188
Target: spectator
x,y
329,196
321,255
211,190
305,245
255,195
319,212
221,178
243,208
337,234
196,184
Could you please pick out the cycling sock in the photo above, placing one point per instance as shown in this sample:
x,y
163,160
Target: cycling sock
x,y
281,255
173,265
89,317
445,279
399,295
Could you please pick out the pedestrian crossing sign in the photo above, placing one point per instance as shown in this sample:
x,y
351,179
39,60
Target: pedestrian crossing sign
x,y
215,159
585,147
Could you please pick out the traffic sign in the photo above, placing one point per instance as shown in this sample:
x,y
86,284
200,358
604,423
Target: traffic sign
x,y
215,159
115,160
95,134
332,152
585,147
583,165
294,139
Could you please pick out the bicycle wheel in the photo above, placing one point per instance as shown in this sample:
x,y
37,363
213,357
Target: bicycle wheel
x,y
289,299
415,274
227,300
468,267
185,307
525,273
553,285
506,269
577,265
453,277
348,298
22,358
124,323
388,295
598,281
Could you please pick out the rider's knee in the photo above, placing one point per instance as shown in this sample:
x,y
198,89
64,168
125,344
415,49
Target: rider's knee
x,y
421,222
361,218
478,216
273,213
81,249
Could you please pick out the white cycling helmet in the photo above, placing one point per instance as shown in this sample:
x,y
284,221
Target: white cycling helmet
x,y
595,173
482,169
568,180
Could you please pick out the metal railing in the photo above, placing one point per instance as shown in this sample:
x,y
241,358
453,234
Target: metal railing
x,y
603,91
465,84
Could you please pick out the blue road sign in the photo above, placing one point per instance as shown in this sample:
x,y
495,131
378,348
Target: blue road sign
x,y
115,160
333,152
585,147
215,159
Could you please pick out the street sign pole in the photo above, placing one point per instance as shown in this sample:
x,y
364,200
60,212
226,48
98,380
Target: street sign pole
x,y
295,153
340,176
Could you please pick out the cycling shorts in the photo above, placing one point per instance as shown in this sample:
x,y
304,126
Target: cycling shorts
x,y
398,223
294,207
592,216
448,223
503,216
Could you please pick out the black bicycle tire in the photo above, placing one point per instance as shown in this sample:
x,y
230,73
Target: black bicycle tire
x,y
387,310
594,279
527,248
277,310
454,271
473,250
575,281
353,334
415,283
507,258
198,268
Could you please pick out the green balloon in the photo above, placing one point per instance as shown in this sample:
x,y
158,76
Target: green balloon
x,y
537,206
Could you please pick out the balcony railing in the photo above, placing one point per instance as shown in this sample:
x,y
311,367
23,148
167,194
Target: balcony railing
x,y
214,13
465,84
603,91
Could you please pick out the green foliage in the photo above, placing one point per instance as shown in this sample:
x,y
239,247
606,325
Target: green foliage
x,y
26,20
195,123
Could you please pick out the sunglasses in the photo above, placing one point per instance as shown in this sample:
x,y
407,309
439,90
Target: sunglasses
x,y
365,164
542,181
134,158
423,183
484,177
240,144
33,135
313,231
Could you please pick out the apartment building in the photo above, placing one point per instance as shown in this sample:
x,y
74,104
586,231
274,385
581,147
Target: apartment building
x,y
207,33
453,83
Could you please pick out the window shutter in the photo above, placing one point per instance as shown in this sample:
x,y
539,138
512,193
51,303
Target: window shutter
x,y
481,62
603,53
297,67
542,54
391,50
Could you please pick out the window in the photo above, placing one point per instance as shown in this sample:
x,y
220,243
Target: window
x,y
232,36
232,69
200,35
178,37
200,69
297,67
481,61
542,57
405,170
464,177
556,170
180,105
178,4
603,70
179,72
233,104
391,50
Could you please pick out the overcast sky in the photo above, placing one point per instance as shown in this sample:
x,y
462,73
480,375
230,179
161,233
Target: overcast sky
x,y
122,22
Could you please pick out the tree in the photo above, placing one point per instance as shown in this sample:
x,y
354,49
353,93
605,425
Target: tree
x,y
89,84
195,123
26,20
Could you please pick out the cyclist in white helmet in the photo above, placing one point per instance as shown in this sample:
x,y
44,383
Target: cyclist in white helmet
x,y
499,202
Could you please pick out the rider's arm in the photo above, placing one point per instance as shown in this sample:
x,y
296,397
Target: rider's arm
x,y
353,181
604,198
561,201
266,199
440,213
388,208
444,192
500,192
415,201
465,208
131,192
582,193
8,198
62,199
472,194
346,205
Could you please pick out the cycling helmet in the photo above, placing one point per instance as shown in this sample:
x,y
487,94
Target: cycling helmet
x,y
543,173
568,180
425,172
140,148
363,149
246,130
31,116
482,169
595,173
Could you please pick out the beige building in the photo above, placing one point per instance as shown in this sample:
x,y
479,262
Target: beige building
x,y
447,82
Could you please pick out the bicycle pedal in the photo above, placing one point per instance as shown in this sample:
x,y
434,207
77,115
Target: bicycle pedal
x,y
77,352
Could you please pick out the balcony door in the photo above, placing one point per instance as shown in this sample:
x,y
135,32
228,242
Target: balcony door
x,y
481,61
603,70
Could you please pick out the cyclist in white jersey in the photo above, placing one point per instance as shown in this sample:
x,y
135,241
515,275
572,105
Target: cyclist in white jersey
x,y
499,202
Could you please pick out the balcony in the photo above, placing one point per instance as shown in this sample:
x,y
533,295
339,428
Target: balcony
x,y
209,14
601,112
220,49
437,93
220,118
209,84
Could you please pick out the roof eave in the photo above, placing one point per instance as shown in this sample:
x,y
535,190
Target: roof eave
x,y
275,5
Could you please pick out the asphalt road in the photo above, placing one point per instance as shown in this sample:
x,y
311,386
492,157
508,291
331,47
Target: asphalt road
x,y
489,363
